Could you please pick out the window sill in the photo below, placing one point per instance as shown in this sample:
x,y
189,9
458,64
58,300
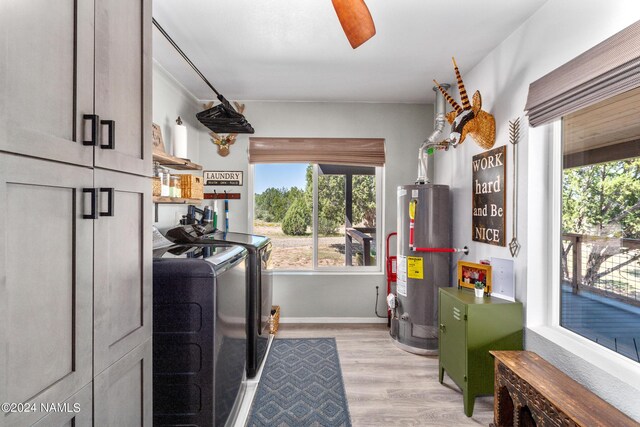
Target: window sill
x,y
621,367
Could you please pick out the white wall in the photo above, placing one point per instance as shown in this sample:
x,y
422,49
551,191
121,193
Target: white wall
x,y
556,33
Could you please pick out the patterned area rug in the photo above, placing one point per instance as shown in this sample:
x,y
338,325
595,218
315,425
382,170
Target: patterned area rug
x,y
301,385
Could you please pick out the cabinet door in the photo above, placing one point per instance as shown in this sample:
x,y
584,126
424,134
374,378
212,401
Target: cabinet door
x,y
123,84
453,337
122,275
46,260
77,411
46,78
123,392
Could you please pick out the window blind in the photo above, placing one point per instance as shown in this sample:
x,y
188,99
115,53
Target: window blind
x,y
338,151
607,69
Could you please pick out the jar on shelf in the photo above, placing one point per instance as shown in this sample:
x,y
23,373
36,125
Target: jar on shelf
x,y
163,174
174,190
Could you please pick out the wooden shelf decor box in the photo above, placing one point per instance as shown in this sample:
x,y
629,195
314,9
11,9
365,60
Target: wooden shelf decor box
x,y
191,186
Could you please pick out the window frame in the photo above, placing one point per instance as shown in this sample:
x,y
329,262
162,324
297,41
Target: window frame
x,y
543,302
315,269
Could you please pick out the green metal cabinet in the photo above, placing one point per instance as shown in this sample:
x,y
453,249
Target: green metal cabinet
x,y
469,328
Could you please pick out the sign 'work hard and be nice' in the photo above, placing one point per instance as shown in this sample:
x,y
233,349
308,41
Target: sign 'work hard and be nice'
x,y
489,196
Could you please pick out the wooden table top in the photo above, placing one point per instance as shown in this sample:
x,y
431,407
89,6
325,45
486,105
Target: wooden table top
x,y
573,399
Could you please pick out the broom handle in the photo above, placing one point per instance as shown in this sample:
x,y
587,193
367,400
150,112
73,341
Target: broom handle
x,y
186,58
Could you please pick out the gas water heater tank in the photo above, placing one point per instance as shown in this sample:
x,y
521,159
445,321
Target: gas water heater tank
x,y
414,327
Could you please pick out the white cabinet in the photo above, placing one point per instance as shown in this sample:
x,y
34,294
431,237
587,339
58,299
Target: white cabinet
x,y
46,283
75,200
46,78
124,392
122,268
122,86
48,81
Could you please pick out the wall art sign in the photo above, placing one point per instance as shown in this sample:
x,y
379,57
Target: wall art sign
x,y
156,135
222,177
489,196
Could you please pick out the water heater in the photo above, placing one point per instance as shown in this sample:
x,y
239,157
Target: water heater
x,y
425,208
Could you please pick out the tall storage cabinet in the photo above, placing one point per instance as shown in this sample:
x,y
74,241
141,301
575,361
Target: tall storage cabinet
x,y
75,211
469,328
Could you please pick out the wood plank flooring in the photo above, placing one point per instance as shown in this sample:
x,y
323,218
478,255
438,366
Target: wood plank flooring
x,y
387,386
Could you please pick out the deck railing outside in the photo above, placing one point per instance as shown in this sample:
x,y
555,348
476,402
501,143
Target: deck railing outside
x,y
608,266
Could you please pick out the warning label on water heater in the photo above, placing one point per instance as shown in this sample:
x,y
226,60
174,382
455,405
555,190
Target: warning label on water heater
x,y
401,281
414,267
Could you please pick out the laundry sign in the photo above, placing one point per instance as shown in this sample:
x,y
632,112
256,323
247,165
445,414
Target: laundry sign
x,y
489,196
222,177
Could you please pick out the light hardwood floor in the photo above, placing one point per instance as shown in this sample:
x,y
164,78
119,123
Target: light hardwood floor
x,y
387,386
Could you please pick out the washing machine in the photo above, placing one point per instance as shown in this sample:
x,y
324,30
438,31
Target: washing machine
x,y
199,334
260,293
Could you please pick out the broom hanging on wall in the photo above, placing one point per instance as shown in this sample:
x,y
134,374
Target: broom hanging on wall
x,y
221,118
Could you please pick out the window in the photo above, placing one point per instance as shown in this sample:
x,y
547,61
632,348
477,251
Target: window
x,y
600,224
282,211
319,216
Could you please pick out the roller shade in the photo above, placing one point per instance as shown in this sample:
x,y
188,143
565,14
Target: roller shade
x,y
607,69
337,151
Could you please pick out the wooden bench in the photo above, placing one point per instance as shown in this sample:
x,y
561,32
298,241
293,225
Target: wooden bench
x,y
529,391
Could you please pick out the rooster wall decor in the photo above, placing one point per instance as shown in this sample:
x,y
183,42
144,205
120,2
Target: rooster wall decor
x,y
469,119
224,142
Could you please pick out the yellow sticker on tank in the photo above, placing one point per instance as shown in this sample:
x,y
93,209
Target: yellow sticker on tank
x,y
414,267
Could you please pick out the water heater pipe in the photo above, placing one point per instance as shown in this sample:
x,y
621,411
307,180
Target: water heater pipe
x,y
435,141
450,250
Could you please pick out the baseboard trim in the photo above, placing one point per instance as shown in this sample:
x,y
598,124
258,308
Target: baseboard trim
x,y
332,320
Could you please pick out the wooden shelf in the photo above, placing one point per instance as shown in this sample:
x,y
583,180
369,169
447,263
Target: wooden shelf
x,y
175,162
176,200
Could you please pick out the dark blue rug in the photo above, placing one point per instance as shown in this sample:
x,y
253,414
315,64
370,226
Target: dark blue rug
x,y
301,386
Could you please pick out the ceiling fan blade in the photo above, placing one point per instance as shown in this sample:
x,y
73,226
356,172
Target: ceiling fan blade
x,y
356,20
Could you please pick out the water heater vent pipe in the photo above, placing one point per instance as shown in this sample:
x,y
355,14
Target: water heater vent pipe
x,y
434,142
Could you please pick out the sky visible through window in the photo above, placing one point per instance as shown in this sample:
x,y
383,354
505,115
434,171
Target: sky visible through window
x,y
280,175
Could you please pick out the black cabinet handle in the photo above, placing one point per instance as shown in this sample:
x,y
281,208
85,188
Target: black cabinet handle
x,y
109,192
94,203
94,129
111,140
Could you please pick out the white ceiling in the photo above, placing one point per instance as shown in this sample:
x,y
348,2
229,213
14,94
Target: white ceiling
x,y
295,49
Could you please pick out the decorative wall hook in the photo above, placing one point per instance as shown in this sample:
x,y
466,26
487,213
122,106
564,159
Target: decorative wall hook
x,y
222,196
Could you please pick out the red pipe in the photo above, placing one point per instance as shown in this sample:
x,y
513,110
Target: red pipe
x,y
411,228
453,250
391,275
